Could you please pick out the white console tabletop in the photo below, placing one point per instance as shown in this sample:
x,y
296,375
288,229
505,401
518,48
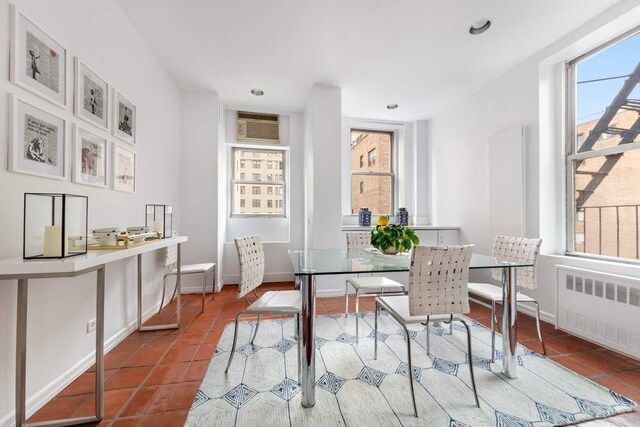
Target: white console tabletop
x,y
74,264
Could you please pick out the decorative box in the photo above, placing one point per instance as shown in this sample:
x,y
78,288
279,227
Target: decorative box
x,y
159,218
364,217
54,225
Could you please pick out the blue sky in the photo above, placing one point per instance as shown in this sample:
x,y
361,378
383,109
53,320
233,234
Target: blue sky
x,y
593,98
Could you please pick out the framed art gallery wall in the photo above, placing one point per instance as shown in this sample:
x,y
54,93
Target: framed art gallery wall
x,y
102,37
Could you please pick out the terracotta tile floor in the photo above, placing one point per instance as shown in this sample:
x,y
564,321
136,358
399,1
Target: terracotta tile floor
x,y
151,378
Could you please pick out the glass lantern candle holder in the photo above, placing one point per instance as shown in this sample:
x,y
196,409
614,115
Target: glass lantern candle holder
x,y
54,226
159,218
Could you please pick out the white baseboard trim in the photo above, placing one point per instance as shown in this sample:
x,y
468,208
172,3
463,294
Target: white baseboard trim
x,y
38,399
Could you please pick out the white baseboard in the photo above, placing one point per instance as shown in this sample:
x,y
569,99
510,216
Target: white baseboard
x,y
38,399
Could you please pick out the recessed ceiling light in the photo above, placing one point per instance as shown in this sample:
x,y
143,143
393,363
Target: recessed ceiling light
x,y
479,27
392,106
257,92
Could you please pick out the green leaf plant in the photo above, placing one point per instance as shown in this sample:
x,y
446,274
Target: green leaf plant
x,y
393,238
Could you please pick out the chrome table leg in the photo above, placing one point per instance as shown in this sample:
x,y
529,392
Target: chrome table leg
x,y
178,296
509,323
307,341
21,352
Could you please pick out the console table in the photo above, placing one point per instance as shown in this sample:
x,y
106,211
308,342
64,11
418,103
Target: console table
x,y
25,270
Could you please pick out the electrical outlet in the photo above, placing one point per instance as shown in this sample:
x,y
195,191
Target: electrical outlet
x,y
91,325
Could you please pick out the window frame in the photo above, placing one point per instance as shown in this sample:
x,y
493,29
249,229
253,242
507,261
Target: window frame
x,y
233,182
572,155
392,166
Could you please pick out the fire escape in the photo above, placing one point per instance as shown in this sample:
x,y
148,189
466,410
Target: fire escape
x,y
603,126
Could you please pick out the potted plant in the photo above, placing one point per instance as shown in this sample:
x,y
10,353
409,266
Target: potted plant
x,y
393,238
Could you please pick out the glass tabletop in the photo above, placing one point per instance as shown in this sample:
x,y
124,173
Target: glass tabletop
x,y
335,261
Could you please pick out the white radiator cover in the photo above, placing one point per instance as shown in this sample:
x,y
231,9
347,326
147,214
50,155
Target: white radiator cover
x,y
600,307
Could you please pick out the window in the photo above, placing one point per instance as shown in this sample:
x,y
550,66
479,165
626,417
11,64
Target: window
x,y
376,176
269,164
242,163
267,197
372,157
603,151
256,164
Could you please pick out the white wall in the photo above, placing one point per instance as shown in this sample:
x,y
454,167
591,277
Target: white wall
x,y
101,35
530,95
278,234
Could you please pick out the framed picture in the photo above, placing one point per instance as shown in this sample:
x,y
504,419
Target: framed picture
x,y
91,100
124,118
89,158
37,141
124,169
38,62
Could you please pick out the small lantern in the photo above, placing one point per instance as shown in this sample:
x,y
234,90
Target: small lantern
x,y
159,218
55,225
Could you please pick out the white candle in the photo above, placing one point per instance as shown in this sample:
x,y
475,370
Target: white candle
x,y
157,227
52,241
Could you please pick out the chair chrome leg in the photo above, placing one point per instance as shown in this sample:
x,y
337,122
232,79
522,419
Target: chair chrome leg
x,y
357,314
410,371
450,322
473,377
235,340
493,331
544,349
164,279
375,330
299,345
255,332
297,327
346,299
428,338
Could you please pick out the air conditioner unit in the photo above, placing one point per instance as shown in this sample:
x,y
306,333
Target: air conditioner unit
x,y
254,127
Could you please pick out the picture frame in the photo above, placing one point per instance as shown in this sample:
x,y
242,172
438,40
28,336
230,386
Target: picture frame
x,y
91,96
124,165
124,118
37,142
90,158
38,62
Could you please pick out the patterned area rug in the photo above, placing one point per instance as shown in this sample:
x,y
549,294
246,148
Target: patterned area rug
x,y
352,389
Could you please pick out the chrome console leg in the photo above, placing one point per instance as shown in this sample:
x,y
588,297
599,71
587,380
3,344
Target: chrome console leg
x,y
307,347
509,323
100,343
177,292
410,371
21,352
473,378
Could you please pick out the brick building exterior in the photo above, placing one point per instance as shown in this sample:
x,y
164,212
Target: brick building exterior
x,y
371,152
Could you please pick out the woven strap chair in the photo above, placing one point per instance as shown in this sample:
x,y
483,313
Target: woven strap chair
x,y
438,279
512,249
366,286
251,256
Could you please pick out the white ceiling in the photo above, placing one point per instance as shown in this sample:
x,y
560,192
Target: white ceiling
x,y
416,53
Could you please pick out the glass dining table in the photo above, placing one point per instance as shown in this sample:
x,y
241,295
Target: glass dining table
x,y
308,264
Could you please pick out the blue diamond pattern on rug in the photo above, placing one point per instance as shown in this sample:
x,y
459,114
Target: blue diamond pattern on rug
x,y
478,361
286,389
371,376
217,351
283,345
346,338
247,349
248,397
415,372
593,408
330,382
436,331
445,366
412,334
200,398
381,336
239,395
506,420
553,415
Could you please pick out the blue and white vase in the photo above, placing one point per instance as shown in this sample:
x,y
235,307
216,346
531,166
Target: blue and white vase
x,y
364,217
402,217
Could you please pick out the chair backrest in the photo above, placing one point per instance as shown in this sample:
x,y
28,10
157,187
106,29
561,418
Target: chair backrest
x,y
439,279
358,240
171,256
251,255
521,249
